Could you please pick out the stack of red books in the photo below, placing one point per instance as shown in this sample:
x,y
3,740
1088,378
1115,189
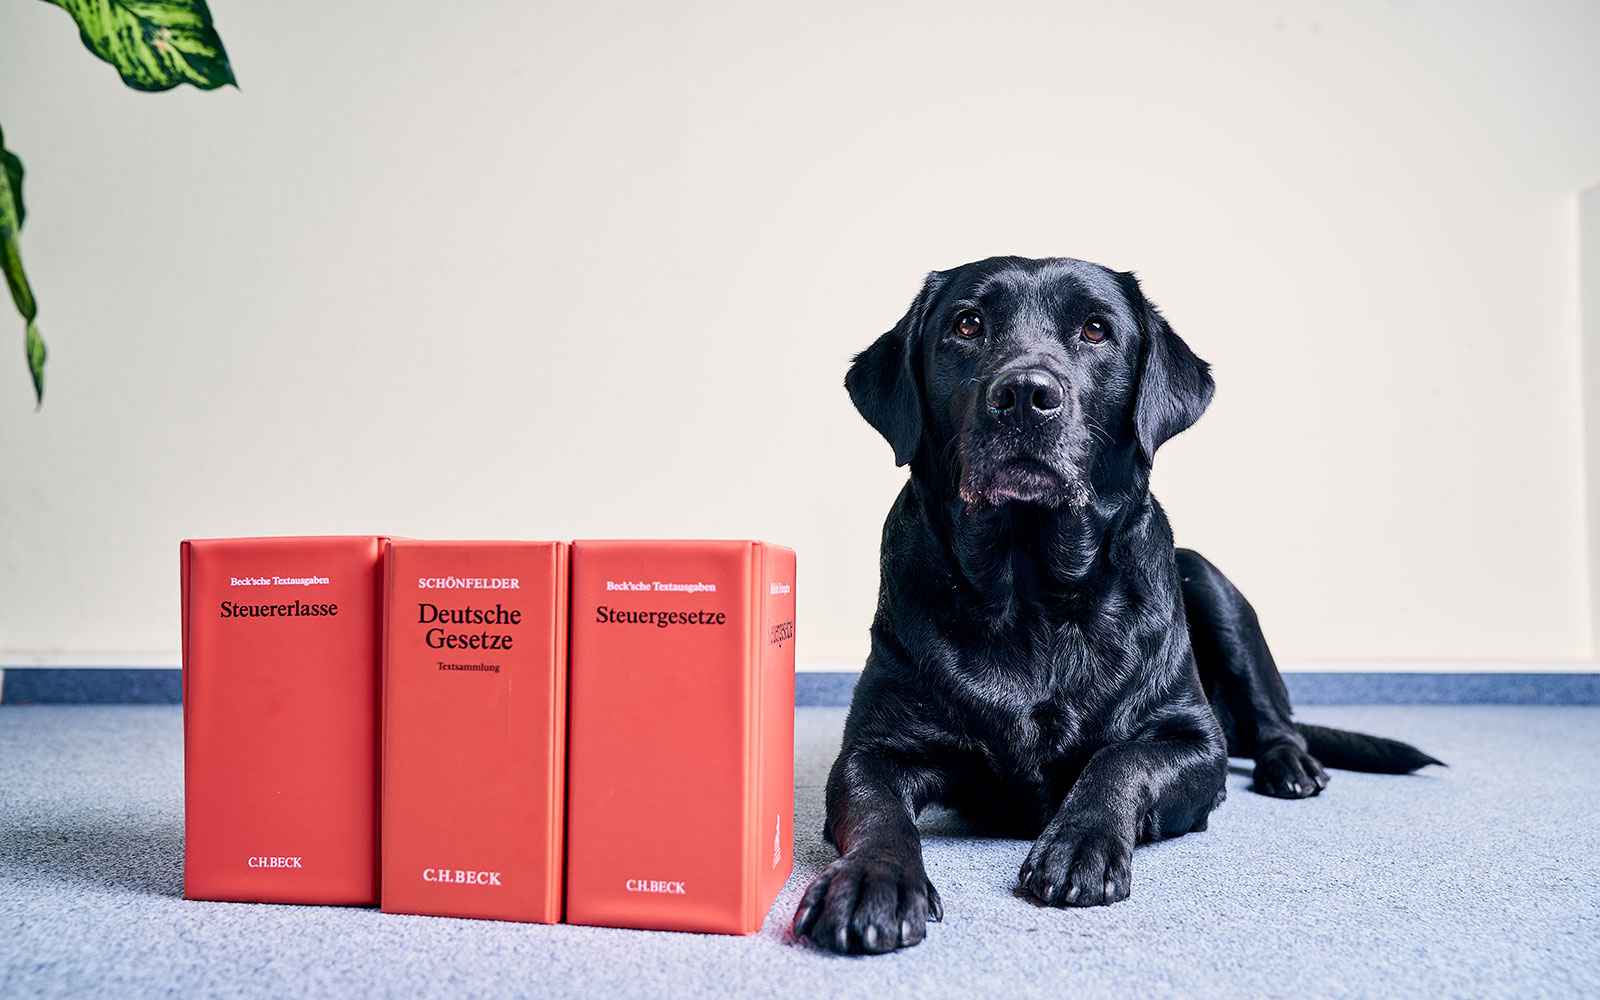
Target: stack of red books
x,y
643,777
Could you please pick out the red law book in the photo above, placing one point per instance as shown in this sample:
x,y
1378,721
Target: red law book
x,y
280,719
474,729
681,742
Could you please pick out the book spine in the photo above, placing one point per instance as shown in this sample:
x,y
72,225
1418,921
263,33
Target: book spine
x,y
183,679
556,790
775,835
751,677
385,611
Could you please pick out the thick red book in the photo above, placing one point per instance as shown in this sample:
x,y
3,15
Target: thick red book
x,y
280,719
474,728
681,734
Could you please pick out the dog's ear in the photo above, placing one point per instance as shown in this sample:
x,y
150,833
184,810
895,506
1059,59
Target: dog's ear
x,y
883,380
1175,386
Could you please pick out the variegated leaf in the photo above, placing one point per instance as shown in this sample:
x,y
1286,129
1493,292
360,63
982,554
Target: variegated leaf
x,y
11,216
154,44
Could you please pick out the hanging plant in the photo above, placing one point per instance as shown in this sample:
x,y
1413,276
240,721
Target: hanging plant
x,y
154,45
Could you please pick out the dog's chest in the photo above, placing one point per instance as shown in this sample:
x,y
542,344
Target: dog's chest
x,y
1053,709
1030,760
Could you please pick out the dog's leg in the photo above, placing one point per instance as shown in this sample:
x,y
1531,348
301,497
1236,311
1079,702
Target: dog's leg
x,y
1246,688
877,896
1128,793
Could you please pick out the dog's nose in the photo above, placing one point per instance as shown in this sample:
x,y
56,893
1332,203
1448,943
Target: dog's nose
x,y
1027,396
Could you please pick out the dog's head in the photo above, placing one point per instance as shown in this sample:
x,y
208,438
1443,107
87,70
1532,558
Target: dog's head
x,y
1025,381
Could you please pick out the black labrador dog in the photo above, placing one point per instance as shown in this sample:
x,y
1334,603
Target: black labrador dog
x,y
1043,660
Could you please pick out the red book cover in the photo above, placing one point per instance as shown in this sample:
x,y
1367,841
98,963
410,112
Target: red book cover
x,y
280,719
681,742
474,729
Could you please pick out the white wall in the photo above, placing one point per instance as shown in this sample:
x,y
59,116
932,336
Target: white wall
x,y
1589,304
583,269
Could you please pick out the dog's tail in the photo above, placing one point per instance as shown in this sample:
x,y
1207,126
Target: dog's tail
x,y
1360,752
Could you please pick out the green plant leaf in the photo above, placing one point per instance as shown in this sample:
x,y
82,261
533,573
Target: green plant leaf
x,y
33,345
11,215
154,44
13,169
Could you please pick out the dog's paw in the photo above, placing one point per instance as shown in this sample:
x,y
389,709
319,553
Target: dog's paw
x,y
1078,866
867,906
1288,772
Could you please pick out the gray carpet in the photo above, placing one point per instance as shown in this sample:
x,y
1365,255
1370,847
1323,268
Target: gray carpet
x,y
1475,881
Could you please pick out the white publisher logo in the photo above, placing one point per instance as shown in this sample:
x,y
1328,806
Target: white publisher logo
x,y
653,885
778,589
458,876
266,861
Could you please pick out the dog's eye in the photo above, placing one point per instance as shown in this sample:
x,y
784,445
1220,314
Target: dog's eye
x,y
1095,329
968,324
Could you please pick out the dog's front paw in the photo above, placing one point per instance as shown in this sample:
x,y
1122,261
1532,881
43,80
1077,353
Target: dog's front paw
x,y
868,906
1288,772
1078,866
